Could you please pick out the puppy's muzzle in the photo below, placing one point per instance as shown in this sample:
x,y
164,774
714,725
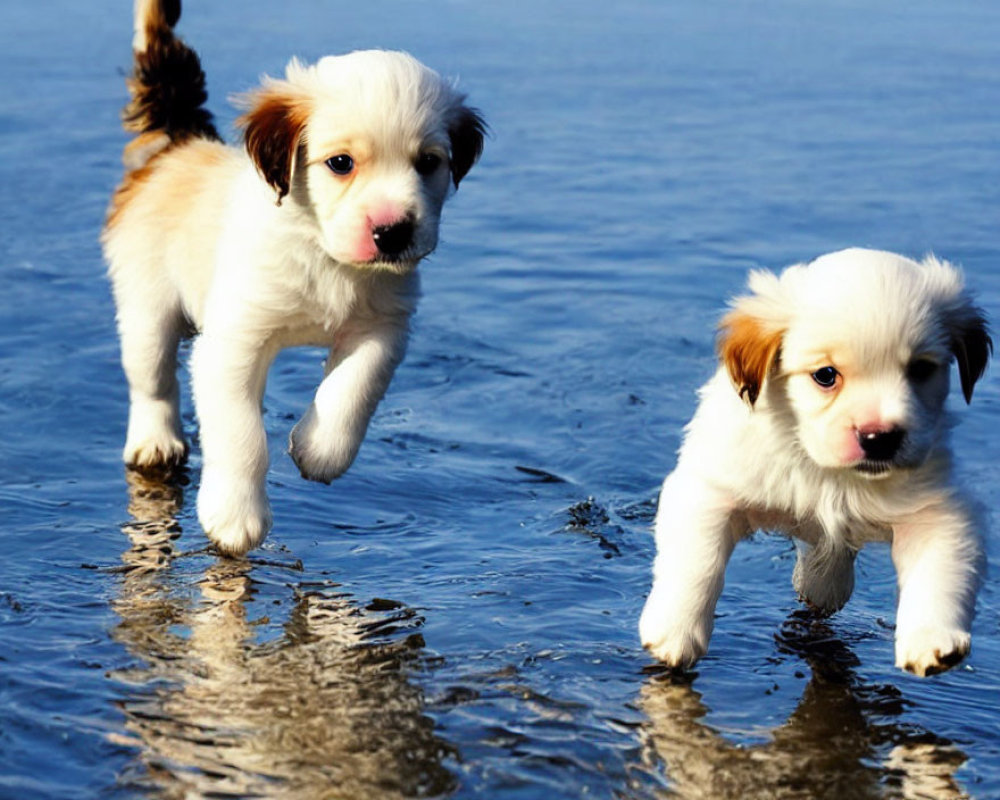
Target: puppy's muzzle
x,y
881,445
393,240
880,448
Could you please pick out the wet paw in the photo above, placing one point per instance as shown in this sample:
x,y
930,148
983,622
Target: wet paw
x,y
235,515
676,653
153,452
928,651
675,644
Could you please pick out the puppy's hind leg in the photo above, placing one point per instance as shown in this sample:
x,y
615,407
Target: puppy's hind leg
x,y
824,575
150,334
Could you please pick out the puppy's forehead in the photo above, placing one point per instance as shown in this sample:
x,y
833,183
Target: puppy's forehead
x,y
386,97
370,80
877,306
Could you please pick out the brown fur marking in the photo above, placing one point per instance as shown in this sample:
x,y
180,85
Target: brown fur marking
x,y
466,133
749,350
273,127
183,167
972,347
167,84
126,192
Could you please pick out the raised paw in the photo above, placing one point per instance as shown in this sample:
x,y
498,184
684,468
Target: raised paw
x,y
320,456
928,651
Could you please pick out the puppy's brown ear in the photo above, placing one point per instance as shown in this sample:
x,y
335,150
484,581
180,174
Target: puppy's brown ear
x,y
467,132
749,348
972,346
273,126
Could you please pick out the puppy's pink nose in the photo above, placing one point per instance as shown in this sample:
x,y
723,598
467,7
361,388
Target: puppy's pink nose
x,y
880,444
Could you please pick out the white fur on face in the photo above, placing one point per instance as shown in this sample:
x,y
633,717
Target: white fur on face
x,y
384,111
880,321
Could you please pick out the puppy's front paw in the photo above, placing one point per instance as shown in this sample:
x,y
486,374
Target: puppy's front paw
x,y
235,514
149,445
676,642
154,435
152,452
319,455
927,651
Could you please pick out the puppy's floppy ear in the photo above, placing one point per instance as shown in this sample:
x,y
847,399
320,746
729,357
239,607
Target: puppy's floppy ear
x,y
748,345
971,345
273,125
466,132
750,335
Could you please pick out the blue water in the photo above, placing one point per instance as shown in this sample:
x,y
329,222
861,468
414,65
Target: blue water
x,y
457,615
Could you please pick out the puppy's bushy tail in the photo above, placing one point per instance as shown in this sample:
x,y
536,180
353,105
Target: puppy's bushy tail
x,y
167,85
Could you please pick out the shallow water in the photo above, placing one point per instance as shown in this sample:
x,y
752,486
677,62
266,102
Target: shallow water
x,y
457,615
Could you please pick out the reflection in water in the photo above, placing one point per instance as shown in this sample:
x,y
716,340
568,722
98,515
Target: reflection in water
x,y
325,711
842,741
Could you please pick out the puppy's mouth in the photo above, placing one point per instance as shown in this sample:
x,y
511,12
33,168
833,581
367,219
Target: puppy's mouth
x,y
398,245
885,450
401,262
875,469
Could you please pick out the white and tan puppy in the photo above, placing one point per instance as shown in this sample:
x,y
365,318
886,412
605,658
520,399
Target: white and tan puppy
x,y
308,236
826,421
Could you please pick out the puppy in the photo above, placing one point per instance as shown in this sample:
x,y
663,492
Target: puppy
x,y
310,236
826,421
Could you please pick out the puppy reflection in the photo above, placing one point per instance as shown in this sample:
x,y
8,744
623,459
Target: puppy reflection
x,y
323,711
835,744
826,421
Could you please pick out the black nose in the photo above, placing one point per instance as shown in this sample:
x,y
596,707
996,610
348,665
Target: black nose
x,y
391,240
881,445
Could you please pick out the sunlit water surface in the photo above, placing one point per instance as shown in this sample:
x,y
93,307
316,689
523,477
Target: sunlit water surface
x,y
457,615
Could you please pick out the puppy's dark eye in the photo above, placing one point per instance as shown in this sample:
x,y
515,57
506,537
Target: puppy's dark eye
x,y
825,377
341,164
427,163
921,370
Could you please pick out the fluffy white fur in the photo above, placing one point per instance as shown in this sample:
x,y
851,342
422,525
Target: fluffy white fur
x,y
835,466
274,246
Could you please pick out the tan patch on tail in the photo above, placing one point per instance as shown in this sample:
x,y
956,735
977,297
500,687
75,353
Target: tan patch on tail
x,y
151,17
167,84
143,148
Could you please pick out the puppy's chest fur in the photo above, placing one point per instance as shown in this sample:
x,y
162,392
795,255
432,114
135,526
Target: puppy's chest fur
x,y
331,304
777,487
295,294
815,529
809,503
